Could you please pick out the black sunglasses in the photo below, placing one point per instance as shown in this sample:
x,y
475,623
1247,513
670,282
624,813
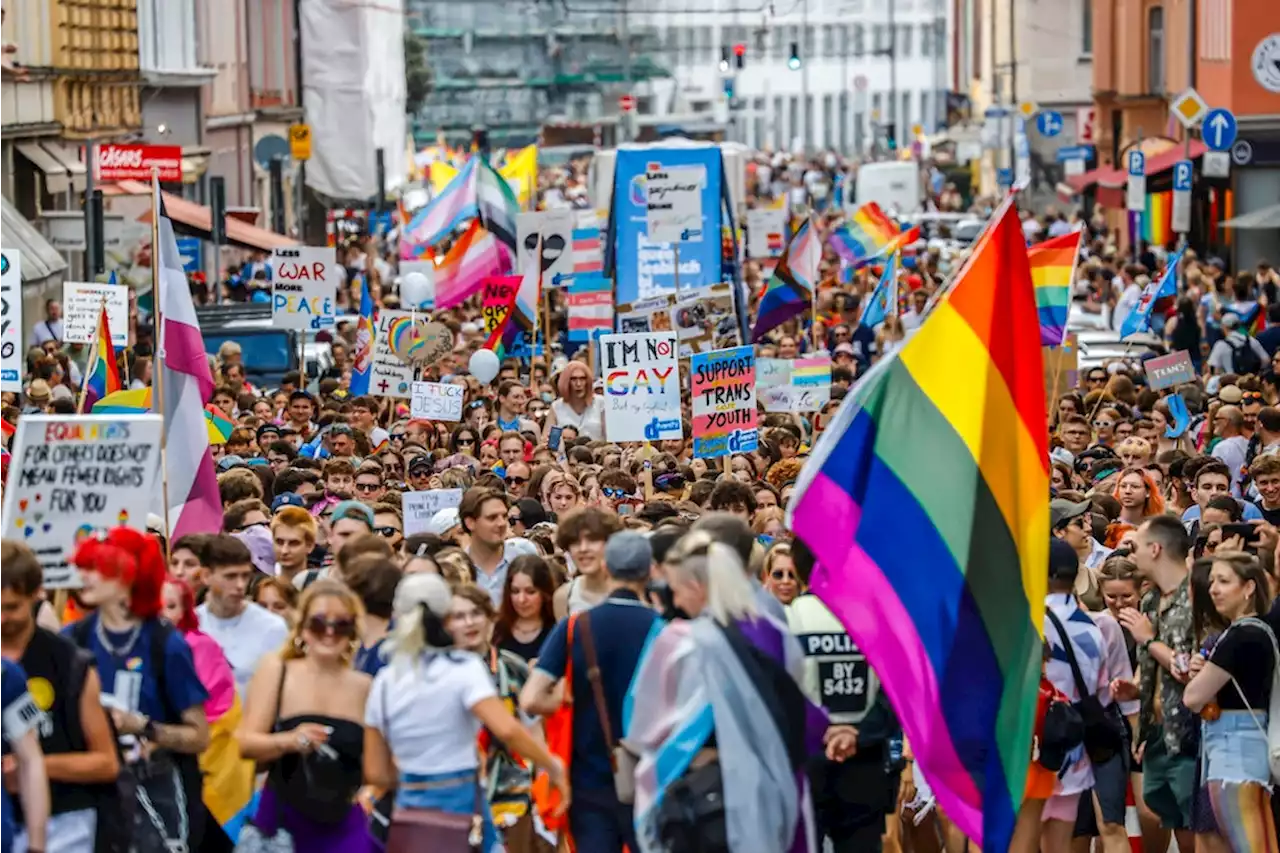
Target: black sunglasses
x,y
387,532
519,481
368,488
321,626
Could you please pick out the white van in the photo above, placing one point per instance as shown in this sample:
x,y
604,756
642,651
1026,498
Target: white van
x,y
895,185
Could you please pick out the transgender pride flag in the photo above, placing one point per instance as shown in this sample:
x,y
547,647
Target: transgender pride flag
x,y
454,205
186,385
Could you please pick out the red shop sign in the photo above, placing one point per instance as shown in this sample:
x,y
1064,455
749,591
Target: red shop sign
x,y
135,162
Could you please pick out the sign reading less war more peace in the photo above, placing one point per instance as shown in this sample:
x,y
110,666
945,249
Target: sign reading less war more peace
x,y
77,475
304,287
724,402
641,386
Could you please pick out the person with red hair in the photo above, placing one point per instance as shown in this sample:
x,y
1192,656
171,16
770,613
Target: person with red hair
x,y
149,681
1138,495
577,405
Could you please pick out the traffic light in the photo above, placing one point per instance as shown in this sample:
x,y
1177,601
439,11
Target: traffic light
x,y
740,51
891,136
794,62
724,58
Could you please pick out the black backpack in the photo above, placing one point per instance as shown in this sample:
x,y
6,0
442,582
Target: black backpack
x,y
1104,731
1244,360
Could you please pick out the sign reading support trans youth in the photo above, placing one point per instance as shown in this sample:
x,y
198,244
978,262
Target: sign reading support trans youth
x,y
1169,370
673,196
724,402
75,476
641,386
304,286
644,265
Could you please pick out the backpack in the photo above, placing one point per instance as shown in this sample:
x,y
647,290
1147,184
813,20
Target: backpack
x,y
1273,721
1243,358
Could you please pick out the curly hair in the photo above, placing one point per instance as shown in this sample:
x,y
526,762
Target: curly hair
x,y
783,472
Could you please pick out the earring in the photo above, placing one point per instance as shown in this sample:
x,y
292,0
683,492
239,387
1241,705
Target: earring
x,y
299,644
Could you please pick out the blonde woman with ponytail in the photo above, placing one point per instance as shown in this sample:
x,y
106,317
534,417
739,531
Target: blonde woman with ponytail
x,y
427,706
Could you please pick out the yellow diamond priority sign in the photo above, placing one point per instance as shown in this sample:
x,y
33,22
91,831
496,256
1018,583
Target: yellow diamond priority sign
x,y
1189,108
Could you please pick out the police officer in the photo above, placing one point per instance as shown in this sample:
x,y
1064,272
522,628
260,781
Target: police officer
x,y
850,798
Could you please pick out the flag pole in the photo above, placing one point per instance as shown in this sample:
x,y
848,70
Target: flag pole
x,y
813,294
157,369
88,361
546,332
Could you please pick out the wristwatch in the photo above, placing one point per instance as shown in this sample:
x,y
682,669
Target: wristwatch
x,y
1146,645
149,729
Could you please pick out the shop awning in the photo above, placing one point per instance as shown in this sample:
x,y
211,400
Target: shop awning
x,y
39,259
60,165
1255,220
1106,177
195,219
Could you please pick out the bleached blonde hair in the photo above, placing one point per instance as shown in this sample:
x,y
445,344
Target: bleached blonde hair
x,y
422,604
717,569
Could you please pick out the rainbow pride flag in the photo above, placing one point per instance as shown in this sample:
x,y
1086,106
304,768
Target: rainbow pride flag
x,y
943,589
522,316
864,235
1053,269
104,374
790,288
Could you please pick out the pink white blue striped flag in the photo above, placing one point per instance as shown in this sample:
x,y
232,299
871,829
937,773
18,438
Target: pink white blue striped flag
x,y
455,204
476,256
194,502
590,304
588,251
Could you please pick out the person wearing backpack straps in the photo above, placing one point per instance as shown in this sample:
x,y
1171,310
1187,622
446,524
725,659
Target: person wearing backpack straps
x,y
1234,691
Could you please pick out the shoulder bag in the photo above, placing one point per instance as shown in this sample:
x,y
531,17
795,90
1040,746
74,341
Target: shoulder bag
x,y
1272,731
1103,729
621,761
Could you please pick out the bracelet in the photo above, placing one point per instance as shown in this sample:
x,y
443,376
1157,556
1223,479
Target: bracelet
x,y
1146,645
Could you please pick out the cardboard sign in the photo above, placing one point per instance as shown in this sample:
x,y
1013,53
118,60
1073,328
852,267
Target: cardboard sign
x,y
704,320
496,298
11,352
647,315
556,228
673,199
766,232
304,288
807,389
75,476
641,387
419,507
82,306
1169,370
436,401
390,376
724,402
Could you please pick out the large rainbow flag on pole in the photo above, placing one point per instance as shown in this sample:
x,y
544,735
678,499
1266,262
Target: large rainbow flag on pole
x,y
943,588
1053,269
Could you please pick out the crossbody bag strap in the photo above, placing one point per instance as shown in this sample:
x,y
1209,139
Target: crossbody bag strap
x,y
1071,655
1275,651
597,686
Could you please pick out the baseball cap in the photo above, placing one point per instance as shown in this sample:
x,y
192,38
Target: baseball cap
x,y
1064,563
421,463
443,521
1061,511
1230,394
628,556
352,509
288,499
226,463
267,428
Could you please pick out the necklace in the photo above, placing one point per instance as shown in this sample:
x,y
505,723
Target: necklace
x,y
113,650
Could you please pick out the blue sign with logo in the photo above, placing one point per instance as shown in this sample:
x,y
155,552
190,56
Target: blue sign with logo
x,y
1004,177
1049,123
1075,152
1182,172
1219,129
192,251
645,268
1137,162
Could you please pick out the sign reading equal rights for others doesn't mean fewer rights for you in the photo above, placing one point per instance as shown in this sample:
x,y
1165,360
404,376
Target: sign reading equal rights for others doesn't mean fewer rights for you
x,y
641,386
304,286
74,476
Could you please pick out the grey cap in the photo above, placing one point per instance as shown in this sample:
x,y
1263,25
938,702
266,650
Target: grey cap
x,y
1061,511
628,556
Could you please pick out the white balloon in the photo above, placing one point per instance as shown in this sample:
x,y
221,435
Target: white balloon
x,y
417,290
484,365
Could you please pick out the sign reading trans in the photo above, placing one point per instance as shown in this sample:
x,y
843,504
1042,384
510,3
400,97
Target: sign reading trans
x,y
1219,129
673,196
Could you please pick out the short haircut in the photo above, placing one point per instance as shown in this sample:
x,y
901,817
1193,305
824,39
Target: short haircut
x,y
337,468
374,578
731,492
291,478
283,448
1213,466
222,551
233,518
193,542
616,478
507,387
594,523
22,571
385,508
238,484
1269,416
510,435
1168,531
1265,466
1227,504
474,499
360,546
295,516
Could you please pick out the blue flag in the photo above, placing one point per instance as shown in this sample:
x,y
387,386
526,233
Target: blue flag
x,y
878,303
1181,417
1165,287
362,363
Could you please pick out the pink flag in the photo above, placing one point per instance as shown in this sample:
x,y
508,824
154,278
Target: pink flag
x,y
187,384
476,256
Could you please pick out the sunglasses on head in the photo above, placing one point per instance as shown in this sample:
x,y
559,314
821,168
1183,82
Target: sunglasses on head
x,y
342,628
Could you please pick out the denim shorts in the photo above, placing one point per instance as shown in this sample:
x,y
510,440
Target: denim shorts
x,y
454,793
1235,748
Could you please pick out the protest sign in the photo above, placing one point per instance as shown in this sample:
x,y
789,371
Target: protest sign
x,y
673,199
390,376
420,506
807,389
496,298
641,387
82,306
724,402
304,287
556,229
771,372
75,476
436,401
647,315
11,352
589,303
704,320
1169,370
766,232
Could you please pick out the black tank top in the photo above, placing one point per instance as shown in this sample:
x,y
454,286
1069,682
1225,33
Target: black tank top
x,y
319,786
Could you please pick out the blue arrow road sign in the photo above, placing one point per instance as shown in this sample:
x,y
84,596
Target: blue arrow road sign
x,y
1004,177
1049,123
192,253
1219,129
1182,172
1137,163
1075,152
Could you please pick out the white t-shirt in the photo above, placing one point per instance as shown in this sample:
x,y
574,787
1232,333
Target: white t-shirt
x,y
245,638
424,711
590,424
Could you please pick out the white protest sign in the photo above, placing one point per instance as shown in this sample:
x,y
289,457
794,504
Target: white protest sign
x,y
11,352
436,401
82,305
807,387
304,288
75,476
766,232
556,228
674,201
420,506
391,377
771,372
641,386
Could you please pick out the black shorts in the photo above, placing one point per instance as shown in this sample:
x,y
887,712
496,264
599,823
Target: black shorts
x,y
1110,786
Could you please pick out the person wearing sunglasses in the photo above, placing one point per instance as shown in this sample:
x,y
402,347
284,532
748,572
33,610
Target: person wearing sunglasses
x,y
304,718
779,573
244,515
465,440
516,478
389,524
617,489
369,486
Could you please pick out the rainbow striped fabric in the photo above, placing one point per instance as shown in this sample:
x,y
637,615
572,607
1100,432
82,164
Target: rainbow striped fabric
x,y
864,235
522,317
104,373
1053,269
476,256
790,288
943,589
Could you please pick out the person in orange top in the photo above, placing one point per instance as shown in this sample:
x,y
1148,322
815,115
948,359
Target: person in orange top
x,y
1040,779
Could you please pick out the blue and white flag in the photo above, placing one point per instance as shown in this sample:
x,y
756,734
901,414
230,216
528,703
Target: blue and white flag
x,y
1165,287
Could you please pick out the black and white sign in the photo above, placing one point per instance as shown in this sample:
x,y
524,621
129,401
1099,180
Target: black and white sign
x,y
674,201
11,352
82,303
436,401
419,507
556,228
